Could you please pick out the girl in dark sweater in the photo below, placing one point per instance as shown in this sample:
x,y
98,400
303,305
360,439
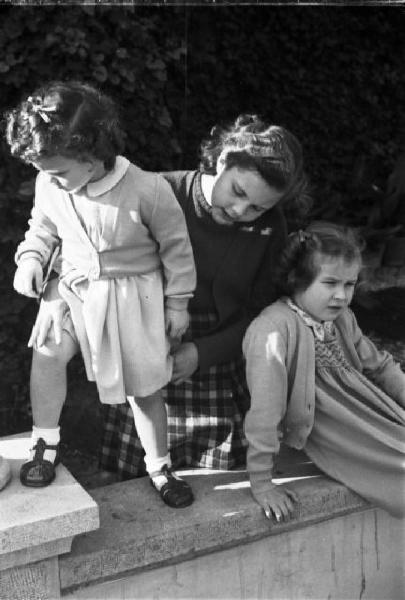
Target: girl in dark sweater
x,y
233,207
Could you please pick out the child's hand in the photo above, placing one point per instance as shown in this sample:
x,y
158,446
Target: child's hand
x,y
185,362
176,322
277,501
28,278
50,316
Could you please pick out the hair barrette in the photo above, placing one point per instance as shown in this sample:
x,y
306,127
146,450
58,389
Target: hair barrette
x,y
41,110
303,236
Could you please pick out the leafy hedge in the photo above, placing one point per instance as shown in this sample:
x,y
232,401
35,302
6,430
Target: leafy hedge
x,y
331,75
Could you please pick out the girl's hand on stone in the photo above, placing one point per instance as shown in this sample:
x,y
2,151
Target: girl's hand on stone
x,y
50,316
185,362
176,322
277,502
28,278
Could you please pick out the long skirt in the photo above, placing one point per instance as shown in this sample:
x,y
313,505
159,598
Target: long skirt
x,y
358,435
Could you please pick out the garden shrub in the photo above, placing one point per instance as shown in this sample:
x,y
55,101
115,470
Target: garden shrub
x,y
331,75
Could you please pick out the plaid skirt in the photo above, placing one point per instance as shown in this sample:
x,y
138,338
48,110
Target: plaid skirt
x,y
205,419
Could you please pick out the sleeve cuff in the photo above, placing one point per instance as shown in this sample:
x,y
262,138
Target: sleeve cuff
x,y
28,254
260,482
177,303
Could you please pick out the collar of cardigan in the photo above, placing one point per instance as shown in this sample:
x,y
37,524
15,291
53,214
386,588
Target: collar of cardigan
x,y
110,180
321,330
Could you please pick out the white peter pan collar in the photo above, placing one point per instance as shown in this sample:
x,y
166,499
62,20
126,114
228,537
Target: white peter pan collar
x,y
106,183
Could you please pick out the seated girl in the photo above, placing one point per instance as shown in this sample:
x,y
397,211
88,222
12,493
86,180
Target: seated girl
x,y
318,384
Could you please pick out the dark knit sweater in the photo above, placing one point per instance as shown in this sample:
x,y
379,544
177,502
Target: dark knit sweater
x,y
234,268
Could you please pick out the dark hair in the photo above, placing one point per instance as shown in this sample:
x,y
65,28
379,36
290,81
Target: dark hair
x,y
271,150
72,119
299,262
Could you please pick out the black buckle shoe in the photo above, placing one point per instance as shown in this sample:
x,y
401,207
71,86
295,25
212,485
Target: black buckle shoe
x,y
176,493
39,472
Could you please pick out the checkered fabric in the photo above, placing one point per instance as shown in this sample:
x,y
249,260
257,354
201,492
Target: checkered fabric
x,y
205,419
121,449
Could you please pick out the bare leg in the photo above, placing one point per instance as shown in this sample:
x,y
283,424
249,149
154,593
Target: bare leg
x,y
48,380
48,393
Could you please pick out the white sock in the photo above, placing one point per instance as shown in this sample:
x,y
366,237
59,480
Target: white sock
x,y
155,465
50,436
159,478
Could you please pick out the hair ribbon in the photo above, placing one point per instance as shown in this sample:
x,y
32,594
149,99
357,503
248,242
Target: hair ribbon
x,y
303,236
41,110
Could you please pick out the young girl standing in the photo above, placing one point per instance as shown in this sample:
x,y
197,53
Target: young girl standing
x,y
125,267
318,383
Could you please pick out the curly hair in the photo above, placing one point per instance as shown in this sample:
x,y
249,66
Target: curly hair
x,y
271,150
71,119
300,262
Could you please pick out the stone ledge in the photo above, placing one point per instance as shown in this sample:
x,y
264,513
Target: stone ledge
x,y
40,523
138,532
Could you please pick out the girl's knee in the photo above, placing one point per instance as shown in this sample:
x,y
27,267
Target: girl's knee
x,y
155,397
50,351
146,403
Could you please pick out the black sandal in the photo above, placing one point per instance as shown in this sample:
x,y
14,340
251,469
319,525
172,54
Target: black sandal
x,y
39,472
176,493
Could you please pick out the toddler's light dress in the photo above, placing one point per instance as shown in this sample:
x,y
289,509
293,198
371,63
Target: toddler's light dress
x,y
125,254
358,435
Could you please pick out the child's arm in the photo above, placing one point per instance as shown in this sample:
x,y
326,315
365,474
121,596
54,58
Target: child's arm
x,y
266,375
42,236
167,225
34,252
379,365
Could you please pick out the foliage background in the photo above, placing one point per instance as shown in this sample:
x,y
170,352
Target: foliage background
x,y
334,76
